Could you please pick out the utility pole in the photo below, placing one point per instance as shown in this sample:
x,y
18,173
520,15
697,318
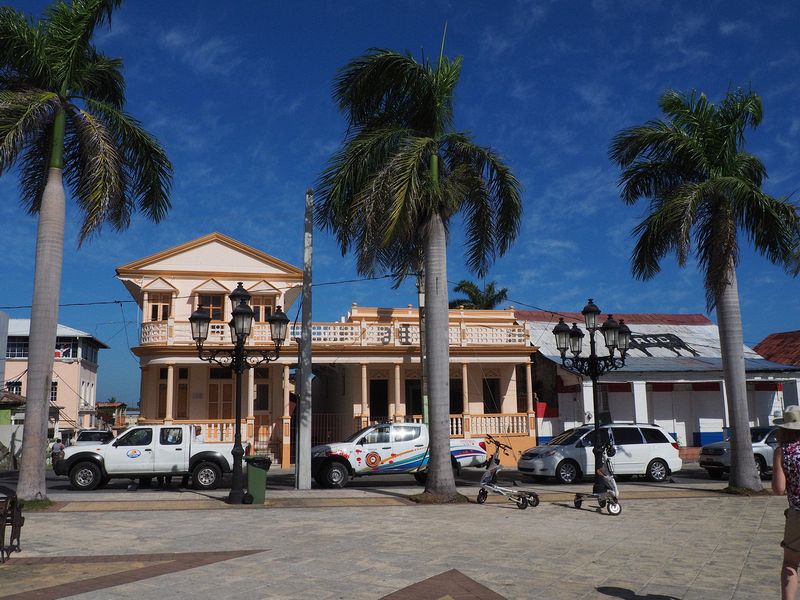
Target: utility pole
x,y
423,379
303,416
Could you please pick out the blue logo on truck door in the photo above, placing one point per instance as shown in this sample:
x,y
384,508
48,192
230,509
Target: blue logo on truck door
x,y
133,453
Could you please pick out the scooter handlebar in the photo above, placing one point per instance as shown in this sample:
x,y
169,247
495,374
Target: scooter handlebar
x,y
498,443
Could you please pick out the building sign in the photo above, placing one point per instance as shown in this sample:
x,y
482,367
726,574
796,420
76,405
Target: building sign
x,y
667,341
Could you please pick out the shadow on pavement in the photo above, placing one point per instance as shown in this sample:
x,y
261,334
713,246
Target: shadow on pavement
x,y
625,594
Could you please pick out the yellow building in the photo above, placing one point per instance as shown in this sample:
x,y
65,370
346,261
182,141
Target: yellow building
x,y
366,366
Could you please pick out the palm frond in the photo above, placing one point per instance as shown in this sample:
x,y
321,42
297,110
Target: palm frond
x,y
349,179
34,167
503,191
717,248
100,78
22,52
100,179
68,30
149,169
383,88
23,116
408,173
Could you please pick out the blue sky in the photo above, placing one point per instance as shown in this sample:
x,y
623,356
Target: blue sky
x,y
239,95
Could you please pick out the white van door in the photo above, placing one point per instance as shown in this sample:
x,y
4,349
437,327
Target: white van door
x,y
632,453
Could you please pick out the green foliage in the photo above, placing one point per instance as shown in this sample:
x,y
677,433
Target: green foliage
x,y
379,189
487,298
703,188
50,68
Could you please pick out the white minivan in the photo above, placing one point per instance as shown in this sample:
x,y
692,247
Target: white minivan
x,y
642,449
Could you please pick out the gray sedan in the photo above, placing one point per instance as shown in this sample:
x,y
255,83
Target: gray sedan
x,y
716,458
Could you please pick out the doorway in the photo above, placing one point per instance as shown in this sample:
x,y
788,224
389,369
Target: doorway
x,y
379,399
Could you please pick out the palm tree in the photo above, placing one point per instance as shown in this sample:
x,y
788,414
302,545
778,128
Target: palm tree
x,y
485,299
400,176
704,189
62,113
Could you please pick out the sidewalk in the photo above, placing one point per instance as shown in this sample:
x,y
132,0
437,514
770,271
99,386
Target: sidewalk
x,y
695,548
683,540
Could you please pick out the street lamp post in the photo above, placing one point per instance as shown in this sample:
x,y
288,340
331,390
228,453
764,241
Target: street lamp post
x,y
616,336
239,359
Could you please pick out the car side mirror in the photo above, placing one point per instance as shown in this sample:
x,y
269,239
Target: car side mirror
x,y
115,444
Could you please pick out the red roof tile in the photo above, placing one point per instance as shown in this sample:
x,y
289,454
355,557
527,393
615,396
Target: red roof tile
x,y
781,348
630,319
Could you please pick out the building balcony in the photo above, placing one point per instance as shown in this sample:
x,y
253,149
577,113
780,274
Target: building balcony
x,y
394,333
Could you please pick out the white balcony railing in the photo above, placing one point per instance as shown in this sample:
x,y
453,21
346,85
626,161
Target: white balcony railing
x,y
339,334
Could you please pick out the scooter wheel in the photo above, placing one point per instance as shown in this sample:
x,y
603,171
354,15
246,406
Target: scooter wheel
x,y
533,501
522,503
614,508
577,503
482,494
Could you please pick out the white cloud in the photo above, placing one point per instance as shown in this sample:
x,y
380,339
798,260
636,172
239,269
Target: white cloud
x,y
214,55
733,27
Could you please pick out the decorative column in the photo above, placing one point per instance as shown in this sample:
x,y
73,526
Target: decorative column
x,y
364,396
530,407
170,393
144,401
467,419
397,416
249,400
640,401
286,423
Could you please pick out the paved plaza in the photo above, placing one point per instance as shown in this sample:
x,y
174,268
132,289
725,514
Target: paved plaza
x,y
683,540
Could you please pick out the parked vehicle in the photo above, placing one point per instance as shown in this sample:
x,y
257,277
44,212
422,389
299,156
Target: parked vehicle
x,y
522,498
91,437
387,448
641,449
145,452
716,457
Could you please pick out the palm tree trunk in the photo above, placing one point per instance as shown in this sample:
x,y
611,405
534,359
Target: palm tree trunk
x,y
440,482
729,321
44,323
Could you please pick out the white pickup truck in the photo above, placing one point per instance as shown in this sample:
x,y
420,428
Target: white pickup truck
x,y
387,448
147,451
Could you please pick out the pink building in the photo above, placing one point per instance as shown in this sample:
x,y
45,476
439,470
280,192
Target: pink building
x,y
74,387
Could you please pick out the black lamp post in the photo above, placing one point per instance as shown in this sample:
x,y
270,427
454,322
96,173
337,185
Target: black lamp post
x,y
239,359
616,335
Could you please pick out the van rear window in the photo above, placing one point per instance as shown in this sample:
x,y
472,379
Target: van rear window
x,y
654,436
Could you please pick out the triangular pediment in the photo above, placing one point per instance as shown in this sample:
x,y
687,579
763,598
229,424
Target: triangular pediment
x,y
159,284
212,286
263,287
213,253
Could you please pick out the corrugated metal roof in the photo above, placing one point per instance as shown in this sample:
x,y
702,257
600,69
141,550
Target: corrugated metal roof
x,y
781,347
686,343
631,318
22,328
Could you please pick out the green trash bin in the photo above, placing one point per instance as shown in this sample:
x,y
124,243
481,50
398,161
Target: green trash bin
x,y
257,467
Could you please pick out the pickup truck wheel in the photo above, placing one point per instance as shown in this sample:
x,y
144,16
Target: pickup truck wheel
x,y
85,476
715,473
334,475
206,476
